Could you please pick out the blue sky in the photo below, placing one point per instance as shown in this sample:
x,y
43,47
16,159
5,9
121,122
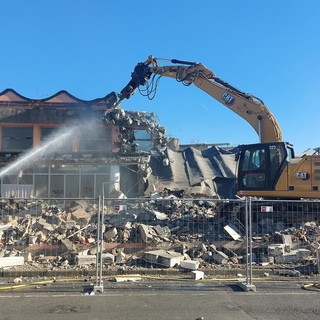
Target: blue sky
x,y
89,48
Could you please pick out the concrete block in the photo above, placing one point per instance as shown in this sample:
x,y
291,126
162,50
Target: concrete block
x,y
11,261
147,233
276,250
287,239
162,232
247,287
290,257
164,258
303,254
97,288
220,257
190,264
69,245
127,278
197,275
118,219
81,260
91,240
27,256
81,216
108,258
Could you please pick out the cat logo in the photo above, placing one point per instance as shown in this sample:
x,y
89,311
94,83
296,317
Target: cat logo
x,y
302,175
228,98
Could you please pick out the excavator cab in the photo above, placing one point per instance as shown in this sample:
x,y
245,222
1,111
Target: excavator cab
x,y
260,165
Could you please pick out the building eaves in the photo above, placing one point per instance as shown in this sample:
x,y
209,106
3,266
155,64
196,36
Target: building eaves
x,y
10,97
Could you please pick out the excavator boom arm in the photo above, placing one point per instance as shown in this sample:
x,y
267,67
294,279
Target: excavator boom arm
x,y
247,106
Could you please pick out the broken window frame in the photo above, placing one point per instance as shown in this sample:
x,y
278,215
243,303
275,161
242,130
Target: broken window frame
x,y
144,143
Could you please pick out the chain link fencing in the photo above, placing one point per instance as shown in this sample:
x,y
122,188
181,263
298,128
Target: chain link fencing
x,y
159,235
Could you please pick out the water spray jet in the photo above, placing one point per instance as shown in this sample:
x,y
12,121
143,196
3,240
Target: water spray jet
x,y
53,143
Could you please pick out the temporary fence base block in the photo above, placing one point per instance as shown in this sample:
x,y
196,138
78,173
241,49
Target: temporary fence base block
x,y
98,289
247,287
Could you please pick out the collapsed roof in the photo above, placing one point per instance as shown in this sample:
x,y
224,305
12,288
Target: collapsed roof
x,y
209,172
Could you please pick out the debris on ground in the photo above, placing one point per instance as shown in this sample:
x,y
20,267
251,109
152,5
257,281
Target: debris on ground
x,y
166,231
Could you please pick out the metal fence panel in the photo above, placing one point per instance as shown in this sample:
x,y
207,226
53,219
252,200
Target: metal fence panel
x,y
59,236
286,236
176,232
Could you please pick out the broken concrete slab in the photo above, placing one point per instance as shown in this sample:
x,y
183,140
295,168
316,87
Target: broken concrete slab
x,y
120,218
190,264
286,258
147,233
275,250
127,278
70,246
81,216
11,261
220,257
231,230
164,258
82,260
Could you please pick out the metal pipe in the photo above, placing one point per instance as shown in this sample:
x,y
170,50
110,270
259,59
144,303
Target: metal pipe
x,y
101,236
98,242
247,243
250,238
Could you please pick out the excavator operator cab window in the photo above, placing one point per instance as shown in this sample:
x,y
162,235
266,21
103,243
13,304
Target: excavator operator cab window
x,y
253,165
260,165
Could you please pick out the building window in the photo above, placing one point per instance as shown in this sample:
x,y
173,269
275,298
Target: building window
x,y
17,139
87,186
143,139
103,184
41,186
96,139
72,186
57,186
50,134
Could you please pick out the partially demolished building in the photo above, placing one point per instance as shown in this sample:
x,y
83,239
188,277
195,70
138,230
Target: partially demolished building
x,y
112,151
65,148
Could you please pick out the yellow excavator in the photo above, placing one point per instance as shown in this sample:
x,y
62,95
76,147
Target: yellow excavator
x,y
268,169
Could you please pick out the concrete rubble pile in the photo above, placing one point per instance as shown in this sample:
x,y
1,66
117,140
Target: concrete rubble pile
x,y
164,231
129,121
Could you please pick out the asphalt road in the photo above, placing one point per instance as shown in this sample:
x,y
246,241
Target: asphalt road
x,y
149,299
